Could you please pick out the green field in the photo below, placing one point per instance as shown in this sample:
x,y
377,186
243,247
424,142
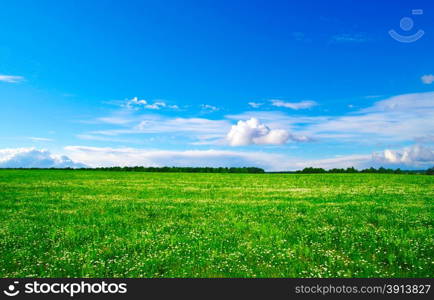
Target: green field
x,y
126,224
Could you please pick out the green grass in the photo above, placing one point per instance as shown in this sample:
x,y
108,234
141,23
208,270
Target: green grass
x,y
125,224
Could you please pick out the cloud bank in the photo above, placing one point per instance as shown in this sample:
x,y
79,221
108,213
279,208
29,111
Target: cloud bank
x,y
34,158
96,157
413,157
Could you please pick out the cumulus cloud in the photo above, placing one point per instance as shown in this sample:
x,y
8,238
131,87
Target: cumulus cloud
x,y
415,156
402,118
11,78
34,158
253,132
136,104
427,79
293,105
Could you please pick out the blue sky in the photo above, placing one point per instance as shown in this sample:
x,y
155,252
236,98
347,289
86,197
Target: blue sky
x,y
277,84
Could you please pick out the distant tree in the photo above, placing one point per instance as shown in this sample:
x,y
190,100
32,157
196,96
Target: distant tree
x,y
312,170
397,171
430,171
351,170
334,170
382,170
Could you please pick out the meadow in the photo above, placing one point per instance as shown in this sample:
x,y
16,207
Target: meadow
x,y
60,223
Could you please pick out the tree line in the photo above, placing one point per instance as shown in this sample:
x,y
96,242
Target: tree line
x,y
254,170
180,169
381,170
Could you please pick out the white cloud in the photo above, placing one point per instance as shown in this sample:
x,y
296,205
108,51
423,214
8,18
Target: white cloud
x,y
293,105
209,108
34,158
427,79
403,103
252,132
402,118
277,119
208,132
397,119
136,104
11,78
205,131
160,104
255,104
415,156
189,125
